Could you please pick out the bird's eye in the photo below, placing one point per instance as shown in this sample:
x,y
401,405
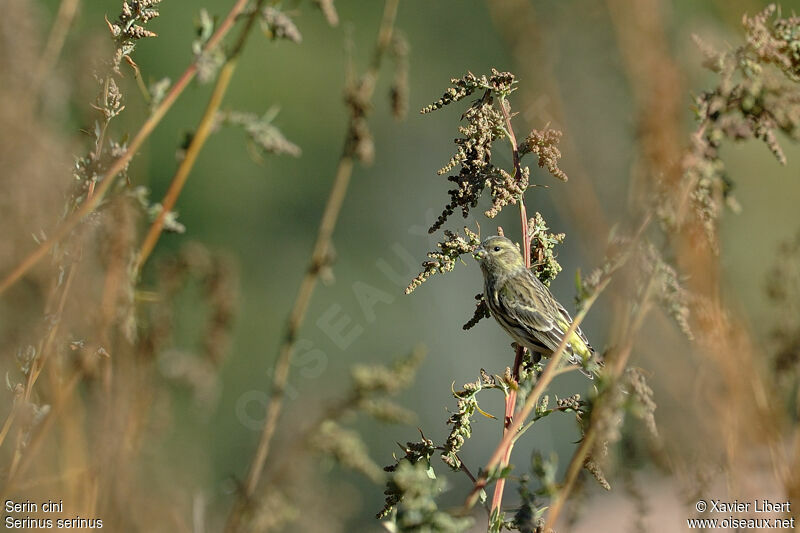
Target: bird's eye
x,y
496,248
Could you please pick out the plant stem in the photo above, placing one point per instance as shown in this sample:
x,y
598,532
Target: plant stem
x,y
22,462
319,259
199,139
36,367
44,348
12,414
520,26
91,203
575,466
617,367
511,398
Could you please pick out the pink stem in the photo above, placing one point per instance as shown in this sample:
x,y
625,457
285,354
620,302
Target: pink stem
x,y
511,399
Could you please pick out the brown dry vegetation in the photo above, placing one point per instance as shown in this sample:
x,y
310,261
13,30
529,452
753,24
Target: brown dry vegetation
x,y
102,345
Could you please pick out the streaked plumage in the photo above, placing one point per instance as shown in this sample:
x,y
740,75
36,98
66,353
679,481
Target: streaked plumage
x,y
524,306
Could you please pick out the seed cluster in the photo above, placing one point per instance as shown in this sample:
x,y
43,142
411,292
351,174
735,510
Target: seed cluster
x,y
756,96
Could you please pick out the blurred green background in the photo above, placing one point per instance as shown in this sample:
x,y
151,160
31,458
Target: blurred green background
x,y
266,215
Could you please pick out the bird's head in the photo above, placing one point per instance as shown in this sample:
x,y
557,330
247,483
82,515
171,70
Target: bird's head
x,y
499,255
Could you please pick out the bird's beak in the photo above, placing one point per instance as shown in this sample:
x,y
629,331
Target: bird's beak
x,y
479,253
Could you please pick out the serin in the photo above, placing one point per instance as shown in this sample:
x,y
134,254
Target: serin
x,y
524,306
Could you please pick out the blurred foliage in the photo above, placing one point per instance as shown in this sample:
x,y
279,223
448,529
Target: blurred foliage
x,y
264,211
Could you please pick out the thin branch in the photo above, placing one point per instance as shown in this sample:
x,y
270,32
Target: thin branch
x,y
91,203
464,469
37,365
44,348
521,28
579,458
199,139
31,450
319,258
574,468
55,41
12,414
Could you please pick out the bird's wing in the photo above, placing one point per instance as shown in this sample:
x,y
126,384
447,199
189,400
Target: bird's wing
x,y
530,308
529,303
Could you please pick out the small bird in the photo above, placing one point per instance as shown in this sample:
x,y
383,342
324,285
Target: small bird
x,y
524,306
